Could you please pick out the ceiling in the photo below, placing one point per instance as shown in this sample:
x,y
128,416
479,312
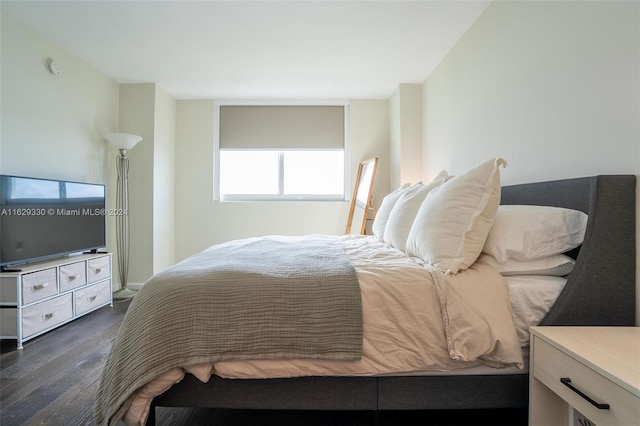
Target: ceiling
x,y
301,49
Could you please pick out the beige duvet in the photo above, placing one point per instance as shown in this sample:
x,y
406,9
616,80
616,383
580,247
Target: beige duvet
x,y
414,320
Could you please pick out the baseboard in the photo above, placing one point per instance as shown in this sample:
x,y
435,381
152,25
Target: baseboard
x,y
135,286
132,286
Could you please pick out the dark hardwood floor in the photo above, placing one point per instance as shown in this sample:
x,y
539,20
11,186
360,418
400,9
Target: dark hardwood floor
x,y
53,381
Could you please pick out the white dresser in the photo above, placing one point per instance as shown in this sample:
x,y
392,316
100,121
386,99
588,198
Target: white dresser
x,y
594,370
45,295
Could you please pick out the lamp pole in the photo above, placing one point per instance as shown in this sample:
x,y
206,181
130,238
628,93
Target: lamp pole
x,y
122,225
124,142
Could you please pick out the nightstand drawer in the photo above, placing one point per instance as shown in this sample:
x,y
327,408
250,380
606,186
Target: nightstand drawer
x,y
551,364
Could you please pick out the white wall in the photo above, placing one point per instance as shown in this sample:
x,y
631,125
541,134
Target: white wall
x,y
553,87
148,111
369,138
137,116
52,126
201,222
164,178
406,134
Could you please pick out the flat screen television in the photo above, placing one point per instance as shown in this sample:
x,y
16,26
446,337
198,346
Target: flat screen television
x,y
44,218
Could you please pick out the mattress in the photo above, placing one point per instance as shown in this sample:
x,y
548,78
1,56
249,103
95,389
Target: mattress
x,y
478,370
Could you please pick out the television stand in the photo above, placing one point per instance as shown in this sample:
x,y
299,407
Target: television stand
x,y
44,295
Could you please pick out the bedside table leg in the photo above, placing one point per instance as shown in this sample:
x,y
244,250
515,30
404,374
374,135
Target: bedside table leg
x,y
545,407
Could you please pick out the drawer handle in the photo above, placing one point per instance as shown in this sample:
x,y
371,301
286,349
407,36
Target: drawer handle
x,y
567,382
48,316
39,286
91,298
72,277
98,270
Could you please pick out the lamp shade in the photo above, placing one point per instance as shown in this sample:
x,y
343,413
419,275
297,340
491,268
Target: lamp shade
x,y
122,140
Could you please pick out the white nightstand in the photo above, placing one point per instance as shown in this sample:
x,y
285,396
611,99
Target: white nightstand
x,y
595,370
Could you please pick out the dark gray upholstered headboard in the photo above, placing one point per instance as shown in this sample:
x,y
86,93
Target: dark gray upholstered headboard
x,y
601,289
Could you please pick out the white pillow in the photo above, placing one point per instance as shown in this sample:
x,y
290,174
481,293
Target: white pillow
x,y
405,209
382,215
452,224
534,232
557,265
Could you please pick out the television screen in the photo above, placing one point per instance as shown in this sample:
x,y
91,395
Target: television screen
x,y
42,218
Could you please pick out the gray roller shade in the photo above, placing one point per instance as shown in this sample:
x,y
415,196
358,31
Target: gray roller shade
x,y
281,127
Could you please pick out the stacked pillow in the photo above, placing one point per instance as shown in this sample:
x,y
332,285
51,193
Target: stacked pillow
x,y
382,215
452,224
534,232
404,211
530,240
557,265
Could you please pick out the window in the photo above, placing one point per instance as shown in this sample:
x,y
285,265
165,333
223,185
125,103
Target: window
x,y
278,152
284,175
249,173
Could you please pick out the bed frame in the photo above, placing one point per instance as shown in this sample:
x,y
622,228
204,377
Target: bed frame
x,y
599,291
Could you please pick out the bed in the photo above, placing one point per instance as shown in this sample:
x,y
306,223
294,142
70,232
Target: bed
x,y
600,290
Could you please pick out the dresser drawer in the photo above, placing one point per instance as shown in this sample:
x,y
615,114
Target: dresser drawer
x,y
99,269
551,364
41,316
73,276
92,297
39,285
8,289
8,322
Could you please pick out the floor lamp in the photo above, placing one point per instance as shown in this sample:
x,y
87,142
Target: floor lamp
x,y
123,142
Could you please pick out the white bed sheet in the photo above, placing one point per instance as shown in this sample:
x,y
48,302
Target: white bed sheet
x,y
531,298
